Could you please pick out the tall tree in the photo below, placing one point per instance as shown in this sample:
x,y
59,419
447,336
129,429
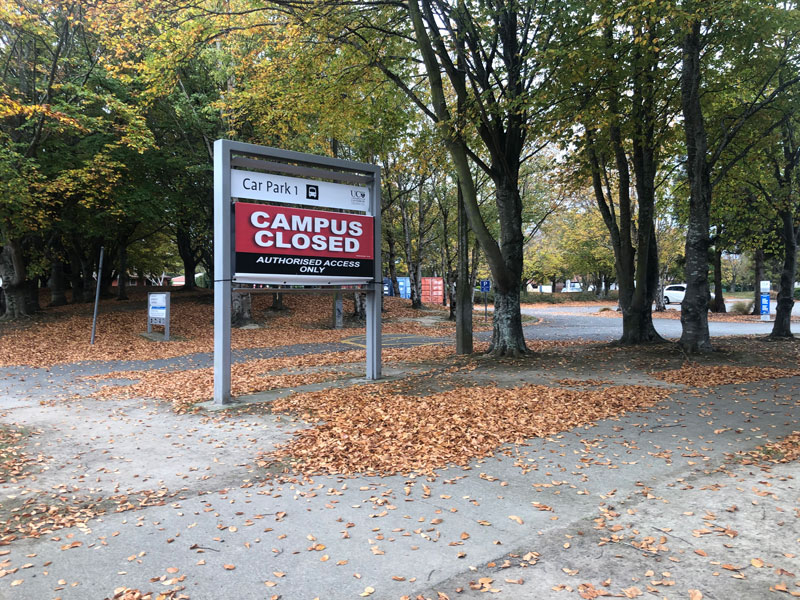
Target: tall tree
x,y
731,48
622,90
63,126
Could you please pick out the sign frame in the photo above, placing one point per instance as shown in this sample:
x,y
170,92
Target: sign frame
x,y
230,155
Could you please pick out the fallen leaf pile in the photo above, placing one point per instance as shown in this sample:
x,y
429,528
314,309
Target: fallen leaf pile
x,y
120,325
784,450
367,430
185,388
711,376
189,387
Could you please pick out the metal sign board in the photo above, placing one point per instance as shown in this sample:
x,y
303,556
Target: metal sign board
x,y
293,190
486,285
158,311
293,246
157,305
261,243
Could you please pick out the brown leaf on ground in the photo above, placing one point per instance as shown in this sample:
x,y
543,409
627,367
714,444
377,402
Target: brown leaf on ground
x,y
120,325
785,450
711,376
369,429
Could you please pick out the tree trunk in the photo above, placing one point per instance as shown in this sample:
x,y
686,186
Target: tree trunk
x,y
32,296
392,258
758,273
447,277
718,302
694,308
415,276
189,268
122,278
464,289
783,315
89,282
241,309
475,256
414,268
277,302
508,338
637,321
189,256
106,278
619,227
360,306
16,303
75,275
57,285
12,270
337,316
659,300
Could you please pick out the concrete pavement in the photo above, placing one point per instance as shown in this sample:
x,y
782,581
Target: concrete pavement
x,y
588,506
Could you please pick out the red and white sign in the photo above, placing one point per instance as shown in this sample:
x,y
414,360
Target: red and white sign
x,y
281,244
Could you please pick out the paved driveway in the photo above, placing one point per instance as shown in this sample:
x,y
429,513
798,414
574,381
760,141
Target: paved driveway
x,y
582,322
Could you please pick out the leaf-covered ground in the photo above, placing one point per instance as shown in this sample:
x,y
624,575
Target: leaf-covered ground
x,y
60,335
377,431
583,470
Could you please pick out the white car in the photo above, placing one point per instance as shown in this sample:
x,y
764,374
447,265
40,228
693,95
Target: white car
x,y
674,293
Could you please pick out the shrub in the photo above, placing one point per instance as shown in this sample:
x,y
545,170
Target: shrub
x,y
742,308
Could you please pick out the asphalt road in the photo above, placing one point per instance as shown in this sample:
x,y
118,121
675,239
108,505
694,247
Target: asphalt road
x,y
578,322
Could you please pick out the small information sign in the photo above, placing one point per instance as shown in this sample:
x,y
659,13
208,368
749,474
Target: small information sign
x,y
486,287
158,312
765,285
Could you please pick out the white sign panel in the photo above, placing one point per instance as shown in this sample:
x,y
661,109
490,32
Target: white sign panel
x,y
158,306
292,190
765,285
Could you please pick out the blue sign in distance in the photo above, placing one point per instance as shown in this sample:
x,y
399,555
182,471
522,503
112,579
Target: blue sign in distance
x,y
764,304
486,285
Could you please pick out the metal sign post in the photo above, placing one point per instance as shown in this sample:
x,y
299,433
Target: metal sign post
x,y
284,239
